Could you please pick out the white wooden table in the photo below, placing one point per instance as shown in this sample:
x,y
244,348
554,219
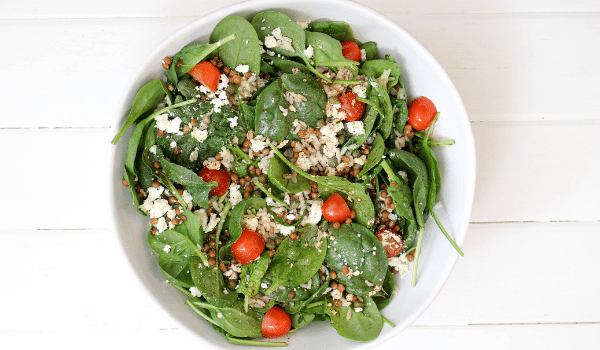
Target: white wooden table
x,y
528,72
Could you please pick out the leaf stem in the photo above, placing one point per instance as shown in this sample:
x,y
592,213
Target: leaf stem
x,y
239,341
154,114
236,149
441,143
268,193
345,82
437,221
430,128
385,320
204,316
223,215
417,253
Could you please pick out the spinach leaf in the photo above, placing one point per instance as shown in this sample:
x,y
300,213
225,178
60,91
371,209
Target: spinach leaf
x,y
146,100
243,49
176,272
190,55
209,281
312,107
426,154
355,192
409,162
375,68
251,277
270,120
375,156
297,260
300,320
291,294
276,172
282,65
340,31
400,193
328,52
388,115
360,326
357,248
233,320
188,179
182,240
389,285
188,88
400,113
370,48
318,294
265,22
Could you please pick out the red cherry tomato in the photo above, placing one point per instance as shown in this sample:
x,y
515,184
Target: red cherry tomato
x,y
335,209
206,74
391,241
222,178
275,323
421,113
248,247
351,51
354,108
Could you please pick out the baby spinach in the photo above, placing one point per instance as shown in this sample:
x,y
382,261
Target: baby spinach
x,y
190,181
370,48
240,209
356,247
146,100
277,171
340,31
290,294
375,156
233,320
328,52
400,113
188,88
190,55
270,120
374,69
282,65
251,277
318,294
209,281
383,298
388,115
265,22
400,193
297,260
244,49
301,319
312,108
176,272
361,326
356,193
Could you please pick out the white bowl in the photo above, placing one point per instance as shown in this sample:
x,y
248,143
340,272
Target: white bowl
x,y
422,75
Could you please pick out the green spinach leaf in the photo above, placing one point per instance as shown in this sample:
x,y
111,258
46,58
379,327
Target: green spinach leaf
x,y
244,49
328,52
209,281
375,68
234,320
361,326
309,97
340,31
270,120
278,172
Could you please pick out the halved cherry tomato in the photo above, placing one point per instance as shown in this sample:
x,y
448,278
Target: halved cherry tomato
x,y
421,113
222,178
391,240
354,108
206,74
335,209
351,51
275,323
248,247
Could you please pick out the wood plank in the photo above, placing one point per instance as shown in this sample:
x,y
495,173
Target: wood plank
x,y
511,273
494,60
182,8
514,337
70,186
537,172
522,273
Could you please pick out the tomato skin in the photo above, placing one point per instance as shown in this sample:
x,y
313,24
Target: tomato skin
x,y
335,209
421,113
275,323
248,247
353,108
206,74
222,178
387,237
351,51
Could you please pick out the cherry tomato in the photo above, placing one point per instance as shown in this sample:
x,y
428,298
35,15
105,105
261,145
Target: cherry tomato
x,y
351,51
206,74
421,113
222,178
391,241
354,108
248,247
275,323
335,209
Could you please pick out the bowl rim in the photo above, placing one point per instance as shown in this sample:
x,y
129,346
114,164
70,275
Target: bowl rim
x,y
259,5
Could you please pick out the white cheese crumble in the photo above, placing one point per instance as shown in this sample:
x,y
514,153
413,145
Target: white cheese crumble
x,y
242,68
356,128
235,196
233,122
195,292
167,248
314,214
309,52
199,135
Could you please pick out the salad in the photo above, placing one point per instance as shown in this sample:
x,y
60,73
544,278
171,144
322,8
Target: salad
x,y
285,175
